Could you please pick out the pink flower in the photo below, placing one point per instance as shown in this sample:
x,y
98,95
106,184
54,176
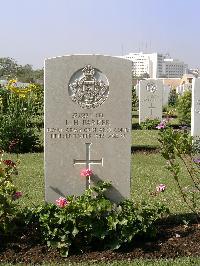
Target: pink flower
x,y
197,161
161,125
17,195
161,188
61,202
86,172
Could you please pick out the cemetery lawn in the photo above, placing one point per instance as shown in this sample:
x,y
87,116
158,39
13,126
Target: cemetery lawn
x,y
176,238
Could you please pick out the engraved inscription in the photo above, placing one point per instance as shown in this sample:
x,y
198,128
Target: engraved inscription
x,y
88,87
88,126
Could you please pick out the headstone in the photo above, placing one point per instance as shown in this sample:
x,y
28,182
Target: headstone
x,y
166,92
150,99
195,114
87,124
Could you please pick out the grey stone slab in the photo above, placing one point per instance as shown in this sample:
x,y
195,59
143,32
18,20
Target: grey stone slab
x,y
150,99
87,124
195,113
166,93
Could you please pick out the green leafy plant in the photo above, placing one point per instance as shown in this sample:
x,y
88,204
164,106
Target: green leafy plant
x,y
18,109
149,124
92,219
171,112
178,148
184,108
8,193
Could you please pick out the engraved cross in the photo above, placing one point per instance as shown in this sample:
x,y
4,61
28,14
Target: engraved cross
x,y
88,161
152,108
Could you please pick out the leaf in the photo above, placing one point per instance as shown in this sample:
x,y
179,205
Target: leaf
x,y
53,244
113,245
75,231
65,252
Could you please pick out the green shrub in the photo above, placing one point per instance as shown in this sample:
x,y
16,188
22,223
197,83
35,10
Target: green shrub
x,y
184,108
18,107
177,146
149,124
16,129
173,98
92,219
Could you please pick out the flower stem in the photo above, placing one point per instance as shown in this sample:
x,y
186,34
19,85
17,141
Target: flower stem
x,y
89,181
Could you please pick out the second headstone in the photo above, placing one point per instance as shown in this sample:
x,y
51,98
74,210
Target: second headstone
x,y
150,99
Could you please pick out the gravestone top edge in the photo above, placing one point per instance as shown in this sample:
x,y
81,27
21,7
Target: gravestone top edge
x,y
128,62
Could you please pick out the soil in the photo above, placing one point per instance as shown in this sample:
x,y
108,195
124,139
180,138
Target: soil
x,y
172,241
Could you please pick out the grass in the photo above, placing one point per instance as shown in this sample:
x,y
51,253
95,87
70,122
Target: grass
x,y
145,139
177,262
147,171
30,179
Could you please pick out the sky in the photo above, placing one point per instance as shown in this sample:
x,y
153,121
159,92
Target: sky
x,y
32,30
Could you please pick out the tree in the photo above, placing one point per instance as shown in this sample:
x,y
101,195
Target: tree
x,y
8,68
135,100
173,98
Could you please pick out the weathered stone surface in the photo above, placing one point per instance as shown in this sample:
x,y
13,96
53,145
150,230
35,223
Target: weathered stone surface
x,y
87,124
166,93
150,99
195,114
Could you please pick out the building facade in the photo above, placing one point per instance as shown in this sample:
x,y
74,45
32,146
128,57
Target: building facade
x,y
173,68
156,65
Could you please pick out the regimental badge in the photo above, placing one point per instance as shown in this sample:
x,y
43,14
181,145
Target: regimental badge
x,y
151,87
88,87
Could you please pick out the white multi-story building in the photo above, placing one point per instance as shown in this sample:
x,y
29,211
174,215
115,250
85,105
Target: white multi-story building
x,y
140,63
156,65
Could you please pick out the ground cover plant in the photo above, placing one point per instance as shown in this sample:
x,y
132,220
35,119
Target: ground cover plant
x,y
93,220
149,124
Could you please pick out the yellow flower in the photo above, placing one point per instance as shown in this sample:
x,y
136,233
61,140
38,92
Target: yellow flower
x,y
22,95
12,86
